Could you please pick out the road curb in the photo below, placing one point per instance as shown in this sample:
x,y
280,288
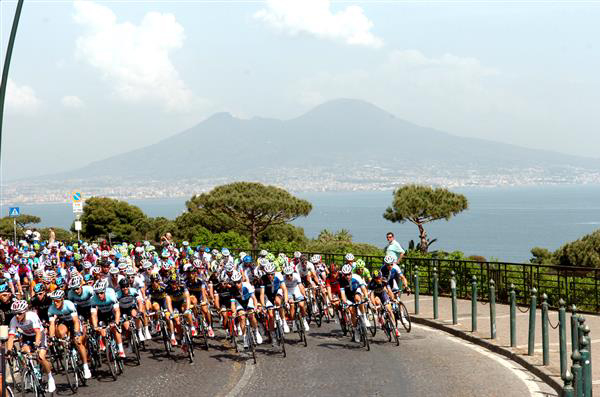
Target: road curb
x,y
534,369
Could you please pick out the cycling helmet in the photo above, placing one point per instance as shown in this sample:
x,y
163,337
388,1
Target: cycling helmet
x,y
207,250
349,257
147,265
214,251
47,279
315,259
114,270
187,267
271,257
60,282
228,267
297,254
263,253
154,277
39,287
236,276
130,272
124,283
225,252
19,306
12,271
165,254
100,286
247,259
123,266
4,287
95,270
75,282
197,263
57,294
269,268
105,254
388,260
166,265
360,264
87,264
139,250
376,274
51,274
347,269
288,269
87,277
243,255
39,273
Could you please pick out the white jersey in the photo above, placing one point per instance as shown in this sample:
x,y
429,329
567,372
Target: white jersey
x,y
30,324
303,270
294,282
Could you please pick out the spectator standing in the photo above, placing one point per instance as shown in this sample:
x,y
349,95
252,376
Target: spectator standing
x,y
394,248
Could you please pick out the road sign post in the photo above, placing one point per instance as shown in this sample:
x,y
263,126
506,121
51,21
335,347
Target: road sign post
x,y
13,212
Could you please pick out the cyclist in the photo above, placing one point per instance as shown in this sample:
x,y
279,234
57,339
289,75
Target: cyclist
x,y
243,300
392,273
353,289
273,291
362,271
33,338
81,295
64,321
157,301
179,299
198,294
379,295
41,302
6,301
105,308
130,302
296,290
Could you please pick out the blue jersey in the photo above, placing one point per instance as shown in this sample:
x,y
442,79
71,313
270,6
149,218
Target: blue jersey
x,y
392,276
64,314
108,304
129,300
271,288
352,286
83,300
243,295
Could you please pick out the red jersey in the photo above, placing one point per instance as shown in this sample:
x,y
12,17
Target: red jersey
x,y
334,283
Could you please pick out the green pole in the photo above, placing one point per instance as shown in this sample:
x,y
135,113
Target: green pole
x,y
580,324
586,368
473,303
576,369
568,390
513,316
416,289
574,331
562,338
454,303
545,343
492,309
532,308
435,294
586,359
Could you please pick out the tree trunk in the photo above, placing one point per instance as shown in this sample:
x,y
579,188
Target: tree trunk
x,y
254,237
423,237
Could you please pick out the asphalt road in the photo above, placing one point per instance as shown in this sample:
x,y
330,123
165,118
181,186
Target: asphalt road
x,y
427,363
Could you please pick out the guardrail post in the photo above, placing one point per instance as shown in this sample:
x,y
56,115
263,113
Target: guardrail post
x,y
435,294
492,309
454,303
586,360
586,368
562,335
416,289
545,343
473,303
574,331
568,390
513,316
531,339
576,369
580,324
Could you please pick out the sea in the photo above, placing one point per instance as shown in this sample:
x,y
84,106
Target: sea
x,y
501,222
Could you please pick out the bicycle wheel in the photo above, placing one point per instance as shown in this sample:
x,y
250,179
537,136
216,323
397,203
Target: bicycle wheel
x,y
9,392
233,335
110,360
135,346
404,316
319,311
37,387
165,338
187,341
26,381
364,336
309,309
372,321
74,368
69,372
14,366
251,340
342,320
303,332
280,337
204,332
387,328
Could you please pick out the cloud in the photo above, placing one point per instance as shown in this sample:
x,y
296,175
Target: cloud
x,y
315,17
21,98
72,102
134,59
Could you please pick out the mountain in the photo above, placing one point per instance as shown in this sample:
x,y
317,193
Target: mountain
x,y
343,139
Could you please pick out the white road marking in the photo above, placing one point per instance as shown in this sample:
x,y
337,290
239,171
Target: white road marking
x,y
530,380
246,376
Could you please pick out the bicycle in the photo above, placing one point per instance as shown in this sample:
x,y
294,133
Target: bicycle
x,y
202,327
279,334
300,324
93,350
401,313
186,333
372,317
163,330
114,362
73,368
15,367
249,336
232,328
389,326
361,325
31,376
315,305
134,341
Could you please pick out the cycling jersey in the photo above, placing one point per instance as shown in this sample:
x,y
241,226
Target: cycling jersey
x,y
392,276
272,289
27,327
157,293
177,295
196,287
352,286
128,301
6,312
243,296
65,314
293,286
107,304
333,281
378,289
304,269
41,306
82,302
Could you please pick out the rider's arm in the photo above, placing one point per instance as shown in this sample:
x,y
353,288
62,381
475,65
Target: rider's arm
x,y
285,292
52,327
117,312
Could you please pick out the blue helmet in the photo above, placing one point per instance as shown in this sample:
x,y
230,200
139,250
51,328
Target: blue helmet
x,y
4,287
247,259
207,250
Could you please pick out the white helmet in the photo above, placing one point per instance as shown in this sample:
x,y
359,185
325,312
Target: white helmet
x,y
349,257
56,294
228,267
75,281
242,255
263,253
100,286
197,263
347,269
297,254
288,269
269,268
315,259
19,306
388,260
236,276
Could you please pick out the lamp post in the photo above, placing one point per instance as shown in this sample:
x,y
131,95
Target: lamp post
x,y
9,48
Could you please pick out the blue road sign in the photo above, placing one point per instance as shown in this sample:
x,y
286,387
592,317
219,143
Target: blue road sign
x,y
76,196
14,211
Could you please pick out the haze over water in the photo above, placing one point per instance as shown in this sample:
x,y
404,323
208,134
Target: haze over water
x,y
504,223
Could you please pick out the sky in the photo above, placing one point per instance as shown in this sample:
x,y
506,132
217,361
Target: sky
x,y
89,80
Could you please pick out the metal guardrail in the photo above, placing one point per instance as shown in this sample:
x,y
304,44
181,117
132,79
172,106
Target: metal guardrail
x,y
575,285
